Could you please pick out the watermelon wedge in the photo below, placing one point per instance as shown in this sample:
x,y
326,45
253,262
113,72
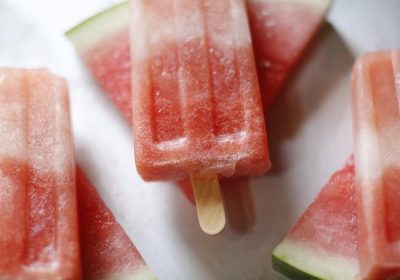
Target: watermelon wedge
x,y
103,43
107,252
323,244
281,31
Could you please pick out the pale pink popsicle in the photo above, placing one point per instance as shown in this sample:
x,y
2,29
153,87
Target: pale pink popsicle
x,y
38,213
197,106
377,162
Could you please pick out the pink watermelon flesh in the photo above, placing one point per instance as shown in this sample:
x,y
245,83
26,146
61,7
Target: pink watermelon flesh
x,y
109,62
281,32
106,249
324,243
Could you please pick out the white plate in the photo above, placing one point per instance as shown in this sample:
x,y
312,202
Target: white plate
x,y
309,129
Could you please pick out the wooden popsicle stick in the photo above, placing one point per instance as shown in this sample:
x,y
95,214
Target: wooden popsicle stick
x,y
209,204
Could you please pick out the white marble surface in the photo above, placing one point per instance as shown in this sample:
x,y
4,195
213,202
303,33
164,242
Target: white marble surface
x,y
310,135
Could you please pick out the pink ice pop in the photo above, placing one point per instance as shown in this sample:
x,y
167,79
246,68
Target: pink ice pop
x,y
38,213
197,105
377,163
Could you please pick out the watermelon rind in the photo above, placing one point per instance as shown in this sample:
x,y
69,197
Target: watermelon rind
x,y
290,271
100,26
297,260
95,28
138,274
321,4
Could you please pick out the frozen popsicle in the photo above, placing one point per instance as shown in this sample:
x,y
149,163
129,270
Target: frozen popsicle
x,y
197,108
38,214
377,162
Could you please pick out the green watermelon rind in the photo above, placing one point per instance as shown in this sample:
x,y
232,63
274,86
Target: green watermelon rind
x,y
322,5
290,271
142,273
305,260
95,17
99,26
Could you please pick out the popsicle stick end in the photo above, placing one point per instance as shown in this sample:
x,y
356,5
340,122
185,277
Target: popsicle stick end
x,y
209,203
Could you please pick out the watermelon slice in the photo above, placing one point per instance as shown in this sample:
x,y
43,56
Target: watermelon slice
x,y
103,43
281,31
323,244
107,252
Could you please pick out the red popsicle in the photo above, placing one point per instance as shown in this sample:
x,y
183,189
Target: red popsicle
x,y
197,108
38,215
197,104
377,162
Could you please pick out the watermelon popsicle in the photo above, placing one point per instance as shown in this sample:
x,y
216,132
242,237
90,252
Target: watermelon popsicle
x,y
197,108
38,214
377,162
